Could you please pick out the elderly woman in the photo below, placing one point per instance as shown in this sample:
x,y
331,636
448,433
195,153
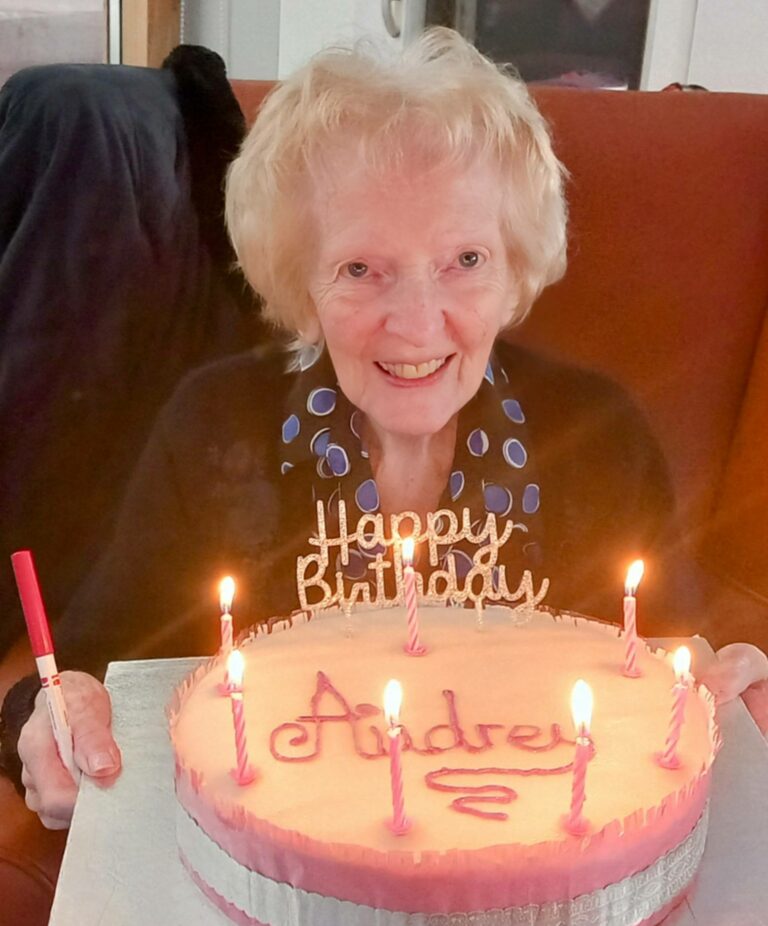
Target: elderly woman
x,y
396,219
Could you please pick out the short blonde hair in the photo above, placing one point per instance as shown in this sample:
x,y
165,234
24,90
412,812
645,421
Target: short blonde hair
x,y
441,94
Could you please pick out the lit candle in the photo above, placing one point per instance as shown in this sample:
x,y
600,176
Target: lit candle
x,y
682,663
581,708
634,574
226,594
244,774
413,647
393,697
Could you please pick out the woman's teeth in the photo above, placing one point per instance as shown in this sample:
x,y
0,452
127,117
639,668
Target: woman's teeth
x,y
412,371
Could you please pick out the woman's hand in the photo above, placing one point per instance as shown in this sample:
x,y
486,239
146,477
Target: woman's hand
x,y
740,668
50,790
756,699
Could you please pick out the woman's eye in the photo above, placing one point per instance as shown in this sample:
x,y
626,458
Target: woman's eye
x,y
469,259
356,269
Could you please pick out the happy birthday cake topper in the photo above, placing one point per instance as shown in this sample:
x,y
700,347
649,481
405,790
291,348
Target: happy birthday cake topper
x,y
321,586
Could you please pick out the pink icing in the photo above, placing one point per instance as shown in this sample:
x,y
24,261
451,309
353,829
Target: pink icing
x,y
486,794
234,913
308,729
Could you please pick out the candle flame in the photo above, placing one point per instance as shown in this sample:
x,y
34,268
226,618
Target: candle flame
x,y
408,545
226,594
634,574
682,662
581,707
235,668
393,699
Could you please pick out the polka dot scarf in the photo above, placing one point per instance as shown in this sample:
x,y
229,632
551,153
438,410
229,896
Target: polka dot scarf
x,y
492,470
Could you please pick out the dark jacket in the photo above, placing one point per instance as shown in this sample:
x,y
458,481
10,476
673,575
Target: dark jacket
x,y
208,498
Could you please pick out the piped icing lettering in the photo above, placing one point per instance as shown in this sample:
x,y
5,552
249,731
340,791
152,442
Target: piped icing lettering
x,y
301,739
471,795
309,728
522,733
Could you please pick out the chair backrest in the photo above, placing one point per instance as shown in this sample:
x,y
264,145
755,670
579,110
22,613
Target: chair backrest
x,y
667,285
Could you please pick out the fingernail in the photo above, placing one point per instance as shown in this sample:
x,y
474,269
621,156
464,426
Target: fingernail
x,y
101,762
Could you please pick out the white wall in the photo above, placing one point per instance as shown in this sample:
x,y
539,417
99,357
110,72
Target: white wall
x,y
720,44
308,25
254,39
668,43
730,46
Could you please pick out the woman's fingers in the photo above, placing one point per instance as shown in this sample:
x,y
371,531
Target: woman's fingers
x,y
90,717
38,753
54,823
738,665
756,699
724,679
96,752
50,790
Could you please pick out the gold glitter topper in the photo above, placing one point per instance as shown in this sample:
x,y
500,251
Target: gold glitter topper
x,y
315,580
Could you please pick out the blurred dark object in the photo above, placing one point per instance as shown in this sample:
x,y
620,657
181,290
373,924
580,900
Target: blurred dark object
x,y
676,85
552,41
116,277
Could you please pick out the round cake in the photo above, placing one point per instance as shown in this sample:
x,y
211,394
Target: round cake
x,y
487,755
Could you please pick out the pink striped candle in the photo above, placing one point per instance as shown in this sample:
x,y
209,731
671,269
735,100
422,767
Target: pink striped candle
x,y
244,773
634,574
669,758
413,647
393,696
581,707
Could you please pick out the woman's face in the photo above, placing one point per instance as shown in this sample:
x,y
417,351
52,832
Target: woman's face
x,y
411,283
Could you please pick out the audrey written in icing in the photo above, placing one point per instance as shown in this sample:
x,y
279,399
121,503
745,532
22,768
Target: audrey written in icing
x,y
320,587
301,740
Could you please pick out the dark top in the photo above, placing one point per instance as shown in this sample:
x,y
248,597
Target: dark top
x,y
208,498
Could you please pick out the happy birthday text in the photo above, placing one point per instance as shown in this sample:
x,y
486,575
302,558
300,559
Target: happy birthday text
x,y
485,580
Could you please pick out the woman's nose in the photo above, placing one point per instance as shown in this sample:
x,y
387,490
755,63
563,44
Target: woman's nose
x,y
415,311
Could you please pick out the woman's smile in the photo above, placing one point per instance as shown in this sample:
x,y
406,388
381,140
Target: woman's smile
x,y
421,373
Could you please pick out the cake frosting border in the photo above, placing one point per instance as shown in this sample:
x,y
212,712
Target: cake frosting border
x,y
633,900
362,875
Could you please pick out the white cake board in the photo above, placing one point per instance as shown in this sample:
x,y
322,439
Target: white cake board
x,y
121,869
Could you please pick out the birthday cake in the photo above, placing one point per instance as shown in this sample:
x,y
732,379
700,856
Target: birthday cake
x,y
487,775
